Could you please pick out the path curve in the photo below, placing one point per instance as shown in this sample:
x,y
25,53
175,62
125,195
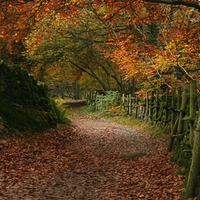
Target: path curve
x,y
90,161
111,144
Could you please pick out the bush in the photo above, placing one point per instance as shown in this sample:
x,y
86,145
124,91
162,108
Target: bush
x,y
111,104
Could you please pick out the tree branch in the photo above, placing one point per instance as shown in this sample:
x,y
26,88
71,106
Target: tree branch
x,y
177,2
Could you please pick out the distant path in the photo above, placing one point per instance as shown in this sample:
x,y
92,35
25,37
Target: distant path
x,y
87,162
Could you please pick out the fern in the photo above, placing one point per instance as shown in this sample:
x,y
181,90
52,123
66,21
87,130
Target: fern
x,y
110,104
61,114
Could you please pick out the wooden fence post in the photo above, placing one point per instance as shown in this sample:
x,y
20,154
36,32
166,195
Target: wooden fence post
x,y
136,108
96,99
175,125
146,107
193,97
143,109
151,108
87,98
123,99
194,168
157,105
129,104
94,95
90,101
173,108
166,106
182,110
179,99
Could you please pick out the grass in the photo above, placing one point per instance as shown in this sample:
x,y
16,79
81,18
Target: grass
x,y
140,125
88,110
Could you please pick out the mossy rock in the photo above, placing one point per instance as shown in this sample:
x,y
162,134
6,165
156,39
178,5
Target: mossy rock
x,y
24,104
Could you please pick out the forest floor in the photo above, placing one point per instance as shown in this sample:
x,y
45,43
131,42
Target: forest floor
x,y
95,159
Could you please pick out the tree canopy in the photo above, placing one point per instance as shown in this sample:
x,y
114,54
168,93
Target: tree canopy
x,y
124,45
150,42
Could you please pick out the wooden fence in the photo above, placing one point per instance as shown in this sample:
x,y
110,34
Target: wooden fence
x,y
174,109
177,110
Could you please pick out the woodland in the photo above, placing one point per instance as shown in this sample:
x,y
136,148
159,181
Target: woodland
x,y
78,46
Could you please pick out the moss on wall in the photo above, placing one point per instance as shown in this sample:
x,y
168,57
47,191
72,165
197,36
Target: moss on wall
x,y
24,104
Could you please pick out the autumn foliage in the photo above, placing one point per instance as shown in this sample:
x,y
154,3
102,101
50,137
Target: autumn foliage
x,y
152,44
125,45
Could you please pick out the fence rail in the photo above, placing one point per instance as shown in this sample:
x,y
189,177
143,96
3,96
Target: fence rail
x,y
174,109
177,110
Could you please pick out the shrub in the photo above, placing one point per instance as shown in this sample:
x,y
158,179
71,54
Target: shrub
x,y
110,104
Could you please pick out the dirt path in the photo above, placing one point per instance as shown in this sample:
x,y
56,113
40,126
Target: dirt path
x,y
91,161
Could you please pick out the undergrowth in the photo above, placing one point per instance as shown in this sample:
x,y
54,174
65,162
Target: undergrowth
x,y
139,125
61,113
110,104
126,120
87,109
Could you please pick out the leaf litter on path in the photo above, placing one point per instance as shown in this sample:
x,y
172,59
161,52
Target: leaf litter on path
x,y
85,162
